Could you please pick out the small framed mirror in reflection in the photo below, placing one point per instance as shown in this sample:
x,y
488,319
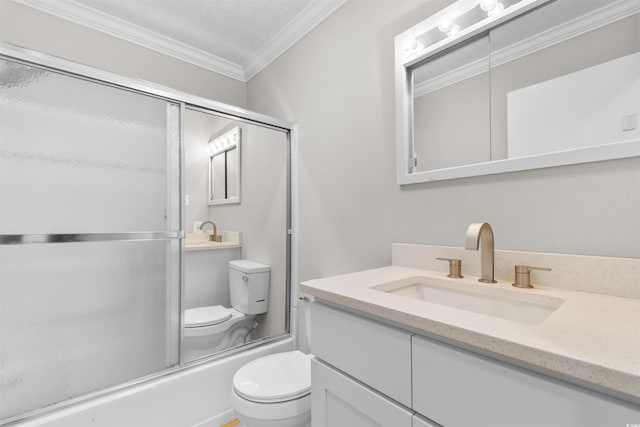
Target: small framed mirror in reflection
x,y
493,86
224,167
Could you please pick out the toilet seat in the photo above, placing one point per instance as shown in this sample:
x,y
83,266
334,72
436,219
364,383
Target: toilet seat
x,y
276,378
206,316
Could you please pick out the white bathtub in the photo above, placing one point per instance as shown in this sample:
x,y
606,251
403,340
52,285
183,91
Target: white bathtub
x,y
199,396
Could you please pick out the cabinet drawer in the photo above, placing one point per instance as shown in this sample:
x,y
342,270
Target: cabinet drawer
x,y
375,354
339,401
446,380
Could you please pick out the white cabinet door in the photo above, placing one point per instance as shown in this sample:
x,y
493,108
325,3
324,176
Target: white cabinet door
x,y
374,353
339,401
457,388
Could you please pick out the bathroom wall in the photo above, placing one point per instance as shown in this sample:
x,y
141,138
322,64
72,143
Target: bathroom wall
x,y
338,84
32,29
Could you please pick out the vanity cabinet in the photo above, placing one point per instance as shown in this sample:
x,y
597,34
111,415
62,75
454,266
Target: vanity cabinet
x,y
338,401
369,351
446,379
365,370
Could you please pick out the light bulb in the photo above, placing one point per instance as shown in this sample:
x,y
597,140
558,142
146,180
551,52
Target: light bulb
x,y
492,7
496,10
454,30
488,5
446,25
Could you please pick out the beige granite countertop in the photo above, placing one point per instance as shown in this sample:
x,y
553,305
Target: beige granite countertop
x,y
199,241
592,338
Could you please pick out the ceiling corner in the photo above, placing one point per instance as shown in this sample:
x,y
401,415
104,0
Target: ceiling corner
x,y
304,22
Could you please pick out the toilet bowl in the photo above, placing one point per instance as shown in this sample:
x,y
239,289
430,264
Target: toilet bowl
x,y
214,328
210,329
274,391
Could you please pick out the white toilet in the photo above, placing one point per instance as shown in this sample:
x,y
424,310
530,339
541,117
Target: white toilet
x,y
274,391
214,328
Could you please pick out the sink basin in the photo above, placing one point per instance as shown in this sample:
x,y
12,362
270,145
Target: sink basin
x,y
504,304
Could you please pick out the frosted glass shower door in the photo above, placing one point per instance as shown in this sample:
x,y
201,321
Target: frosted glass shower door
x,y
89,236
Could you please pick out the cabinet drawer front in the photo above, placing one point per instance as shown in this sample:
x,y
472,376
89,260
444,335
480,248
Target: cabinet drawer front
x,y
375,354
339,401
457,388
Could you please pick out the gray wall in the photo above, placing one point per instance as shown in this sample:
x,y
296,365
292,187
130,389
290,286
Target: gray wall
x,y
338,84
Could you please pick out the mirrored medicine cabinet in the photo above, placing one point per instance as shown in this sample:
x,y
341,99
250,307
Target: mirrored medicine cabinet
x,y
493,86
224,167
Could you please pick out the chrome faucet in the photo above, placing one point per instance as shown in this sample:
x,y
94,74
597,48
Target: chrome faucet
x,y
480,234
212,237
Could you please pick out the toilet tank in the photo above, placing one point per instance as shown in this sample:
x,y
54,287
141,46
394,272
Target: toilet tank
x,y
249,286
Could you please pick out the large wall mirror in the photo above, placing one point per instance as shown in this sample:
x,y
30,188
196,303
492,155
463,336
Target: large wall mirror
x,y
496,86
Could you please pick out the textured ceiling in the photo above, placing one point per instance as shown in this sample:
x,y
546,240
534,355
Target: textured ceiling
x,y
231,29
235,37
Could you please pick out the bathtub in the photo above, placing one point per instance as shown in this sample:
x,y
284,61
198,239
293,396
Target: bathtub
x,y
194,397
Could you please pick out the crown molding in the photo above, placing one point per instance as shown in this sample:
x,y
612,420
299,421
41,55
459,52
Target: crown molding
x,y
96,20
305,21
310,17
578,26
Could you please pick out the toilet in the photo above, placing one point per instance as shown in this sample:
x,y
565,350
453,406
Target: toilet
x,y
215,328
274,391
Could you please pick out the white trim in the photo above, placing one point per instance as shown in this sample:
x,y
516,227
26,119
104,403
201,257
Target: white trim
x,y
310,17
304,22
618,150
576,27
459,74
96,20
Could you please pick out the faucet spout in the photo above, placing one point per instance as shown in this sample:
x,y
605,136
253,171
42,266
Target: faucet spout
x,y
212,237
480,235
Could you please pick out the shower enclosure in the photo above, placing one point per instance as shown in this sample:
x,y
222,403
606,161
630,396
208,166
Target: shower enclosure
x,y
90,231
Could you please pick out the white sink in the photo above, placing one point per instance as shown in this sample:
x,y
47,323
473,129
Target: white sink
x,y
508,304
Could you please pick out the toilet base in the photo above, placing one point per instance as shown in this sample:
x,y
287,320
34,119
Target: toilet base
x,y
292,413
303,420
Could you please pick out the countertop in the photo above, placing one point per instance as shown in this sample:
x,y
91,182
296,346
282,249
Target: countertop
x,y
592,338
207,246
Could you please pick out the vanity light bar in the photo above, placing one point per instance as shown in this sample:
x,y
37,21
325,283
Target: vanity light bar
x,y
459,21
222,143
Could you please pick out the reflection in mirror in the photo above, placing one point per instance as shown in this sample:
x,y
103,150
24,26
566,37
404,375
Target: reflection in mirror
x,y
561,80
565,76
451,114
224,167
254,231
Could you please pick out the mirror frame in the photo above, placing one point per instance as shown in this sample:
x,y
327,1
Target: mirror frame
x,y
237,132
408,53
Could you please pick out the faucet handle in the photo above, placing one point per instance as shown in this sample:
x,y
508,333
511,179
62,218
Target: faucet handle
x,y
455,267
523,276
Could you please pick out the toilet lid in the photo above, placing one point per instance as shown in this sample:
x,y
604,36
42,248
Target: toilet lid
x,y
275,378
206,316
